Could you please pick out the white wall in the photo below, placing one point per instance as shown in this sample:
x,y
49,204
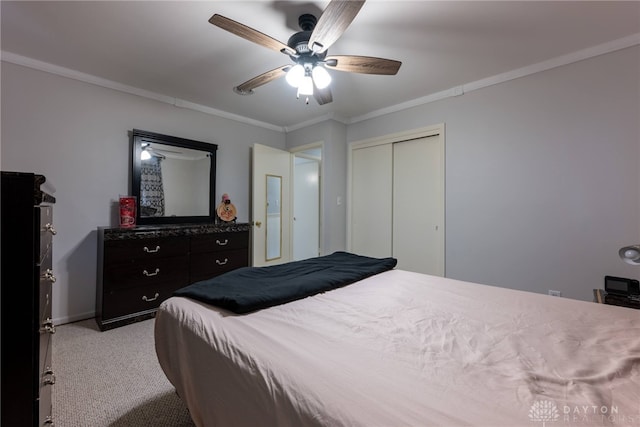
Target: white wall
x,y
542,175
76,134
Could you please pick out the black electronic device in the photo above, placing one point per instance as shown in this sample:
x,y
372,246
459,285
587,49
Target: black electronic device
x,y
622,286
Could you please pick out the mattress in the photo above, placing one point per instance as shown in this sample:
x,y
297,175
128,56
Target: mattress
x,y
405,349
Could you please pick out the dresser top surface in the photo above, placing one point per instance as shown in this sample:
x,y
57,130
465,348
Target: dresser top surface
x,y
146,231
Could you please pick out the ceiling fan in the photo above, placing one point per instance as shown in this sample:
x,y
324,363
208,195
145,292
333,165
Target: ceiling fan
x,y
308,50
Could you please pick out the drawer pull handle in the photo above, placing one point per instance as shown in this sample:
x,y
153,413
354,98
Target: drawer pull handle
x,y
50,376
155,273
222,243
155,297
151,251
49,227
48,326
48,275
226,260
48,421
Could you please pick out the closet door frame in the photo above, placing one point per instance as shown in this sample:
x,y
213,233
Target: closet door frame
x,y
437,129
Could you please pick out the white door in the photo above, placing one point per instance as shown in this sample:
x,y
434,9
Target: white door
x,y
306,208
418,205
270,207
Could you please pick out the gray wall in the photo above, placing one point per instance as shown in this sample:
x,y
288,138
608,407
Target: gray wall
x,y
542,177
76,134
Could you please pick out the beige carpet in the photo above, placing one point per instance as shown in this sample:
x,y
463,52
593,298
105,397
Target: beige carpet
x,y
111,378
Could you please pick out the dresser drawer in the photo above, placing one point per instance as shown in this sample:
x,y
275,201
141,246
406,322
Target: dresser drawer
x,y
46,231
46,374
45,331
207,265
44,315
124,302
140,267
219,242
47,380
118,251
147,272
47,279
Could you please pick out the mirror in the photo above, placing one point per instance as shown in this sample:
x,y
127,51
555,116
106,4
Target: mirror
x,y
274,217
173,179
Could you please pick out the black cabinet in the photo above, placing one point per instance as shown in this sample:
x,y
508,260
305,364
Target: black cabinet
x,y
622,301
140,267
26,284
602,297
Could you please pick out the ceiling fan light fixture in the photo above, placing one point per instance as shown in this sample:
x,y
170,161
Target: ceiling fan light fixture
x,y
295,75
306,86
321,77
145,155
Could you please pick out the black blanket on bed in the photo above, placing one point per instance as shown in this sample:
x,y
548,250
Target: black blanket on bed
x,y
253,288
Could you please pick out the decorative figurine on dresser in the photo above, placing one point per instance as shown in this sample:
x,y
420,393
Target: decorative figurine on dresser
x,y
226,211
176,240
26,282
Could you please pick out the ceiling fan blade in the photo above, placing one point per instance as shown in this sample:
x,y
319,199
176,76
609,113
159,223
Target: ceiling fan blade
x,y
247,87
147,146
163,150
322,96
332,23
250,34
362,64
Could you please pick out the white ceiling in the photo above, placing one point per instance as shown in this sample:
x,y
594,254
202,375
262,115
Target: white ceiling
x,y
170,49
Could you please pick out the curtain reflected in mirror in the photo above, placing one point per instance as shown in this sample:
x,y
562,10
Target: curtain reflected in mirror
x,y
151,188
274,217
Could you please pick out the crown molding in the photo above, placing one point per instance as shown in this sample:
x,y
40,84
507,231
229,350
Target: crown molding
x,y
601,49
559,61
320,119
109,84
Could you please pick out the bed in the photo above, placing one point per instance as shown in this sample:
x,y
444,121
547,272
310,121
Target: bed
x,y
398,348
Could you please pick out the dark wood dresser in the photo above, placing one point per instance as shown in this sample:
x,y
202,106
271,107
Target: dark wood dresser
x,y
26,280
140,267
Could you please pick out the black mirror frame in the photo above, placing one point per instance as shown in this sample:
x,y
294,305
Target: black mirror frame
x,y
140,136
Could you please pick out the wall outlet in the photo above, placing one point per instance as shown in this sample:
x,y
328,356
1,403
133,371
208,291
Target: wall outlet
x,y
555,293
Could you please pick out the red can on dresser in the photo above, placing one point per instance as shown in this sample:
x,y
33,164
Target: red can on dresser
x,y
127,211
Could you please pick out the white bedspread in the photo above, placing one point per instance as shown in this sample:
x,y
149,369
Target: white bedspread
x,y
405,349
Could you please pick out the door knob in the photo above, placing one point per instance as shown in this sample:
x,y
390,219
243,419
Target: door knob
x,y
258,224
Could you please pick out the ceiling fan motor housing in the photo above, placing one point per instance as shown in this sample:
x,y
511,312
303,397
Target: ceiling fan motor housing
x,y
300,41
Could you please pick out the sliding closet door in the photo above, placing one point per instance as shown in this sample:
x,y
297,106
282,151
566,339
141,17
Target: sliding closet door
x,y
418,205
396,201
371,210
